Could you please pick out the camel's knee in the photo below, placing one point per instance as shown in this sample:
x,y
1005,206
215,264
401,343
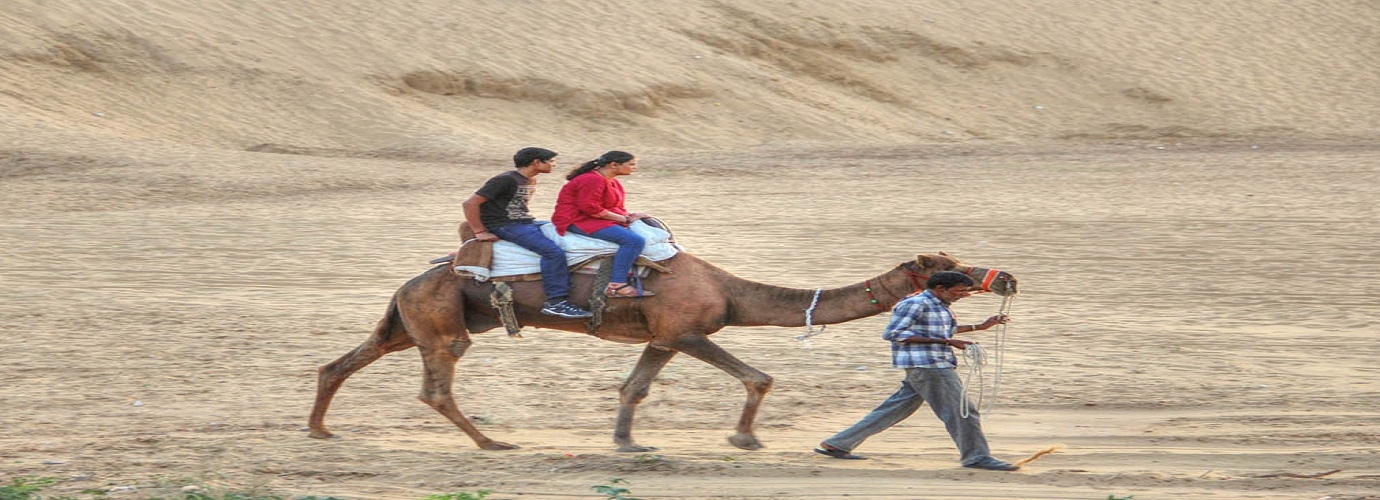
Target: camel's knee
x,y
633,395
334,366
330,374
459,346
759,384
435,399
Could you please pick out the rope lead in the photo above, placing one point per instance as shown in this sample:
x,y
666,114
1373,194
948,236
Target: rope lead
x,y
976,357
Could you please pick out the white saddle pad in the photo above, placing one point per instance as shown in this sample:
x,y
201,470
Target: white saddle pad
x,y
509,259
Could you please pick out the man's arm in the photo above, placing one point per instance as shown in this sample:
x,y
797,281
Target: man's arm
x,y
471,208
924,324
908,324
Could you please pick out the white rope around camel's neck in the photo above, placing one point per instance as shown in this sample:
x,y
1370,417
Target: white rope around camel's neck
x,y
810,330
976,357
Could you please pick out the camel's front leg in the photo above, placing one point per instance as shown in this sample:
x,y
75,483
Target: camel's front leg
x,y
439,367
756,382
634,390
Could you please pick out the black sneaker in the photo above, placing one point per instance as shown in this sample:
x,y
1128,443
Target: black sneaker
x,y
565,309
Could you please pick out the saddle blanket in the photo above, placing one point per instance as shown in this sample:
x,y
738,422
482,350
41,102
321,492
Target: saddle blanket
x,y
509,259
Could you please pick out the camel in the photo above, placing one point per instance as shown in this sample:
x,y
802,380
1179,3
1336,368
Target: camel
x,y
438,310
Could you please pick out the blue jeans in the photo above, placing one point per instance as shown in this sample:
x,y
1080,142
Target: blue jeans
x,y
940,388
630,245
555,271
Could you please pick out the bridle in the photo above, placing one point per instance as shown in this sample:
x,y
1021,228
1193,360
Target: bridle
x,y
917,277
913,273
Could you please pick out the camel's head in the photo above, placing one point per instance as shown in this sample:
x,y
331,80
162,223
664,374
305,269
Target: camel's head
x,y
988,280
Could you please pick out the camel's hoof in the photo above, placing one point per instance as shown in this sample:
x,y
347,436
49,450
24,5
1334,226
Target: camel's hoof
x,y
745,441
632,448
495,445
321,434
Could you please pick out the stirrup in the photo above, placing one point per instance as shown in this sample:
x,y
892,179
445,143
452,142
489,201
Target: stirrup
x,y
617,292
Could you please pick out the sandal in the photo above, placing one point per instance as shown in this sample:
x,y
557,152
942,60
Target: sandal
x,y
626,291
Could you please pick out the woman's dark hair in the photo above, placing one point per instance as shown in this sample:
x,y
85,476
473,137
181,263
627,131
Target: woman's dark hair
x,y
604,159
946,279
526,156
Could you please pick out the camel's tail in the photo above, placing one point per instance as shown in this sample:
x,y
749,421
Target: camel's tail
x,y
391,323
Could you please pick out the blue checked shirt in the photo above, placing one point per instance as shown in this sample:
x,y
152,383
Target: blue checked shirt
x,y
921,315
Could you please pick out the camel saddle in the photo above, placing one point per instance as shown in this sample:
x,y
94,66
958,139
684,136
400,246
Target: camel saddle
x,y
503,261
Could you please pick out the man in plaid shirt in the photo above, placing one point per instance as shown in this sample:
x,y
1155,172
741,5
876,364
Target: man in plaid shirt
x,y
921,334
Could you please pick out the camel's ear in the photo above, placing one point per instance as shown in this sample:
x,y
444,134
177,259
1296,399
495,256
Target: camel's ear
x,y
946,254
923,260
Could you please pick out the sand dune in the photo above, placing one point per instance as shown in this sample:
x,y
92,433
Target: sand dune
x,y
437,76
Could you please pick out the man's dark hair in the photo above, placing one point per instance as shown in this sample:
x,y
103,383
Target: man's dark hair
x,y
946,279
526,156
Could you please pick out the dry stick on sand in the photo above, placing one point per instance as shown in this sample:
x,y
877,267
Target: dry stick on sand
x,y
1039,454
1302,476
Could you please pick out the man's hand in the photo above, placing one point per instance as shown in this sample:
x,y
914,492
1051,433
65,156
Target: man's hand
x,y
960,344
485,236
999,319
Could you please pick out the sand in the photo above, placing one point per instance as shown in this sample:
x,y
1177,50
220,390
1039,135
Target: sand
x,y
203,205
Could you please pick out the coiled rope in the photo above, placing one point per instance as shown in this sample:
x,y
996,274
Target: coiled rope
x,y
976,357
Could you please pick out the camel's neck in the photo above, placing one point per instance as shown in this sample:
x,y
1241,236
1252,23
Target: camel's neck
x,y
757,304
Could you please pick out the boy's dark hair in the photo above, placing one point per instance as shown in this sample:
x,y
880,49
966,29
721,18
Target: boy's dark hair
x,y
526,156
946,279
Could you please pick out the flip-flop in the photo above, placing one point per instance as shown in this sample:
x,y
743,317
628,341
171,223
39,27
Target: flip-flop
x,y
840,454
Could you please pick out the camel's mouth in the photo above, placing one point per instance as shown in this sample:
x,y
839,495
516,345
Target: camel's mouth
x,y
1005,288
998,282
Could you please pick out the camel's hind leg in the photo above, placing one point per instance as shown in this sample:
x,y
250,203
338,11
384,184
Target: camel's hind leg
x,y
331,376
756,382
632,393
438,361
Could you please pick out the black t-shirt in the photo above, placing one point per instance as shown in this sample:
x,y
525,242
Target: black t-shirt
x,y
507,193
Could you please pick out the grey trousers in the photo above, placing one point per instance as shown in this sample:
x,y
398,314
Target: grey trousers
x,y
940,388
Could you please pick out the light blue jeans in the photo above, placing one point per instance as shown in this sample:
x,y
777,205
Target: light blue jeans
x,y
630,245
940,388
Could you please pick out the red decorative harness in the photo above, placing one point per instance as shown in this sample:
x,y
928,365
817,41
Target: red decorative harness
x,y
917,281
987,280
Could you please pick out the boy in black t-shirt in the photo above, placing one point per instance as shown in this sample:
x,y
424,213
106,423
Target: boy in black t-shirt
x,y
498,210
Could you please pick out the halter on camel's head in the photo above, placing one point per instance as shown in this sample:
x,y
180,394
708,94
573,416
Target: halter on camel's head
x,y
918,271
988,280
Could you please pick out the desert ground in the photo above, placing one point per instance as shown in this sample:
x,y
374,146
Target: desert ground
x,y
201,206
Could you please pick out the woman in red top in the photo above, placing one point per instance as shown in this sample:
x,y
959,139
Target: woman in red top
x,y
591,203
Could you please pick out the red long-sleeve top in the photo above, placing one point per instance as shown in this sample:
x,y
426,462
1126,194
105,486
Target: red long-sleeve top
x,y
585,197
